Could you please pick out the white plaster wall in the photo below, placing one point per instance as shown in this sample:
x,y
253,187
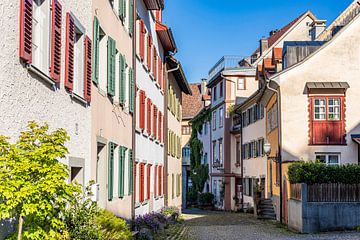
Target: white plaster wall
x,y
24,96
338,61
147,150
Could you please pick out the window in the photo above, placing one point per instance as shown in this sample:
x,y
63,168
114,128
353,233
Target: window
x,y
205,128
221,89
205,161
186,152
237,153
214,120
79,59
328,158
221,157
186,130
248,187
272,116
214,93
327,124
214,152
41,40
221,117
241,84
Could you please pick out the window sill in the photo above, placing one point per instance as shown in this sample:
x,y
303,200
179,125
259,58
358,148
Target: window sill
x,y
328,144
78,98
138,130
42,75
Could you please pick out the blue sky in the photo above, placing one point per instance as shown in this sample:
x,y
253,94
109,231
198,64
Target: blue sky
x,y
205,30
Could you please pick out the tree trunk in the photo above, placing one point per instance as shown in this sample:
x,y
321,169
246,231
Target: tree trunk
x,y
20,226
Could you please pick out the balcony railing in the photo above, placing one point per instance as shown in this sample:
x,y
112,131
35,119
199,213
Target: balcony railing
x,y
224,63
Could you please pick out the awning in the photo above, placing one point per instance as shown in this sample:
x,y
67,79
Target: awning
x,y
356,138
154,4
327,85
166,37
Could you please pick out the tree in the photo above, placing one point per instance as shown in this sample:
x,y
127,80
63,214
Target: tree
x,y
34,186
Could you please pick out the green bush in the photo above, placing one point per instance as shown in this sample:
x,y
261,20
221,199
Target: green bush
x,y
206,199
312,172
112,227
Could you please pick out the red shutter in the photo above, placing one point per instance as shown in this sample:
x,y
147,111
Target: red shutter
x,y
142,109
142,40
55,64
160,78
141,182
148,115
158,15
154,63
135,181
160,181
25,49
155,179
155,122
69,53
87,69
149,47
148,181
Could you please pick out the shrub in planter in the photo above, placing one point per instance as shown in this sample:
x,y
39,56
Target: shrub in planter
x,y
153,221
206,199
171,213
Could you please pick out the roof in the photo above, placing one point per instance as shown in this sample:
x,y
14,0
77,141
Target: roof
x,y
192,104
331,85
280,33
154,4
179,74
166,37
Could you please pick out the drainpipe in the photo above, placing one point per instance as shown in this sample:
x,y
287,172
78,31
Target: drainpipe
x,y
278,158
134,113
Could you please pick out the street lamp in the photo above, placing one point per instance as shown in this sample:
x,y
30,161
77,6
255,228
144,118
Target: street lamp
x,y
267,148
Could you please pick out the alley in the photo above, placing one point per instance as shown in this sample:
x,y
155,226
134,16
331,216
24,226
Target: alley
x,y
219,225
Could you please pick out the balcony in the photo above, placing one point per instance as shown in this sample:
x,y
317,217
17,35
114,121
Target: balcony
x,y
226,62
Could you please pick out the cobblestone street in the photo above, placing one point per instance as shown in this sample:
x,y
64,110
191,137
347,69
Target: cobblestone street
x,y
218,225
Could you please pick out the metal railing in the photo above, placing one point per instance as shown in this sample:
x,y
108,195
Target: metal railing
x,y
224,63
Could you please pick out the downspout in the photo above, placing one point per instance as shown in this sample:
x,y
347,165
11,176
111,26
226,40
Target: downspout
x,y
279,157
166,78
134,113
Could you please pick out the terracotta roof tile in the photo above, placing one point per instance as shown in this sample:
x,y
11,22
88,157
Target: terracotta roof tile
x,y
276,36
192,104
268,64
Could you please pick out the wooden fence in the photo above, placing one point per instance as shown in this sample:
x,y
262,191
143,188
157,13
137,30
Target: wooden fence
x,y
295,191
334,192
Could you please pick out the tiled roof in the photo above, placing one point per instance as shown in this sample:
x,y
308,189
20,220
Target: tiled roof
x,y
192,104
277,35
268,64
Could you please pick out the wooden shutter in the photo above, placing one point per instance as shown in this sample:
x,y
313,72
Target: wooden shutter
x,y
149,47
155,122
130,175
122,9
122,78
111,55
154,65
142,39
131,17
148,115
160,77
155,179
111,147
131,90
148,175
159,181
69,53
142,182
142,109
55,61
25,49
96,39
87,69
160,127
121,185
172,185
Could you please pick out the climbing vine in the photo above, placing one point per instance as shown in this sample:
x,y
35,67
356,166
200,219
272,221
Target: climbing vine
x,y
199,173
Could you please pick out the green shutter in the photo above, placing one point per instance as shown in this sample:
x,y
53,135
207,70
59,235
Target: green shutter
x,y
122,9
111,54
122,151
168,143
130,171
131,17
122,78
172,185
131,90
96,49
111,148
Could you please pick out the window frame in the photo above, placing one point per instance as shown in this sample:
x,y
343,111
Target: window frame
x,y
221,117
327,156
214,120
243,84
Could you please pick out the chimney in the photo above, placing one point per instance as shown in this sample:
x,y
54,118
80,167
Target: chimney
x,y
203,87
264,45
317,27
272,32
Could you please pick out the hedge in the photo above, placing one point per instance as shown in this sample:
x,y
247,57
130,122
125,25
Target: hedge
x,y
315,172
